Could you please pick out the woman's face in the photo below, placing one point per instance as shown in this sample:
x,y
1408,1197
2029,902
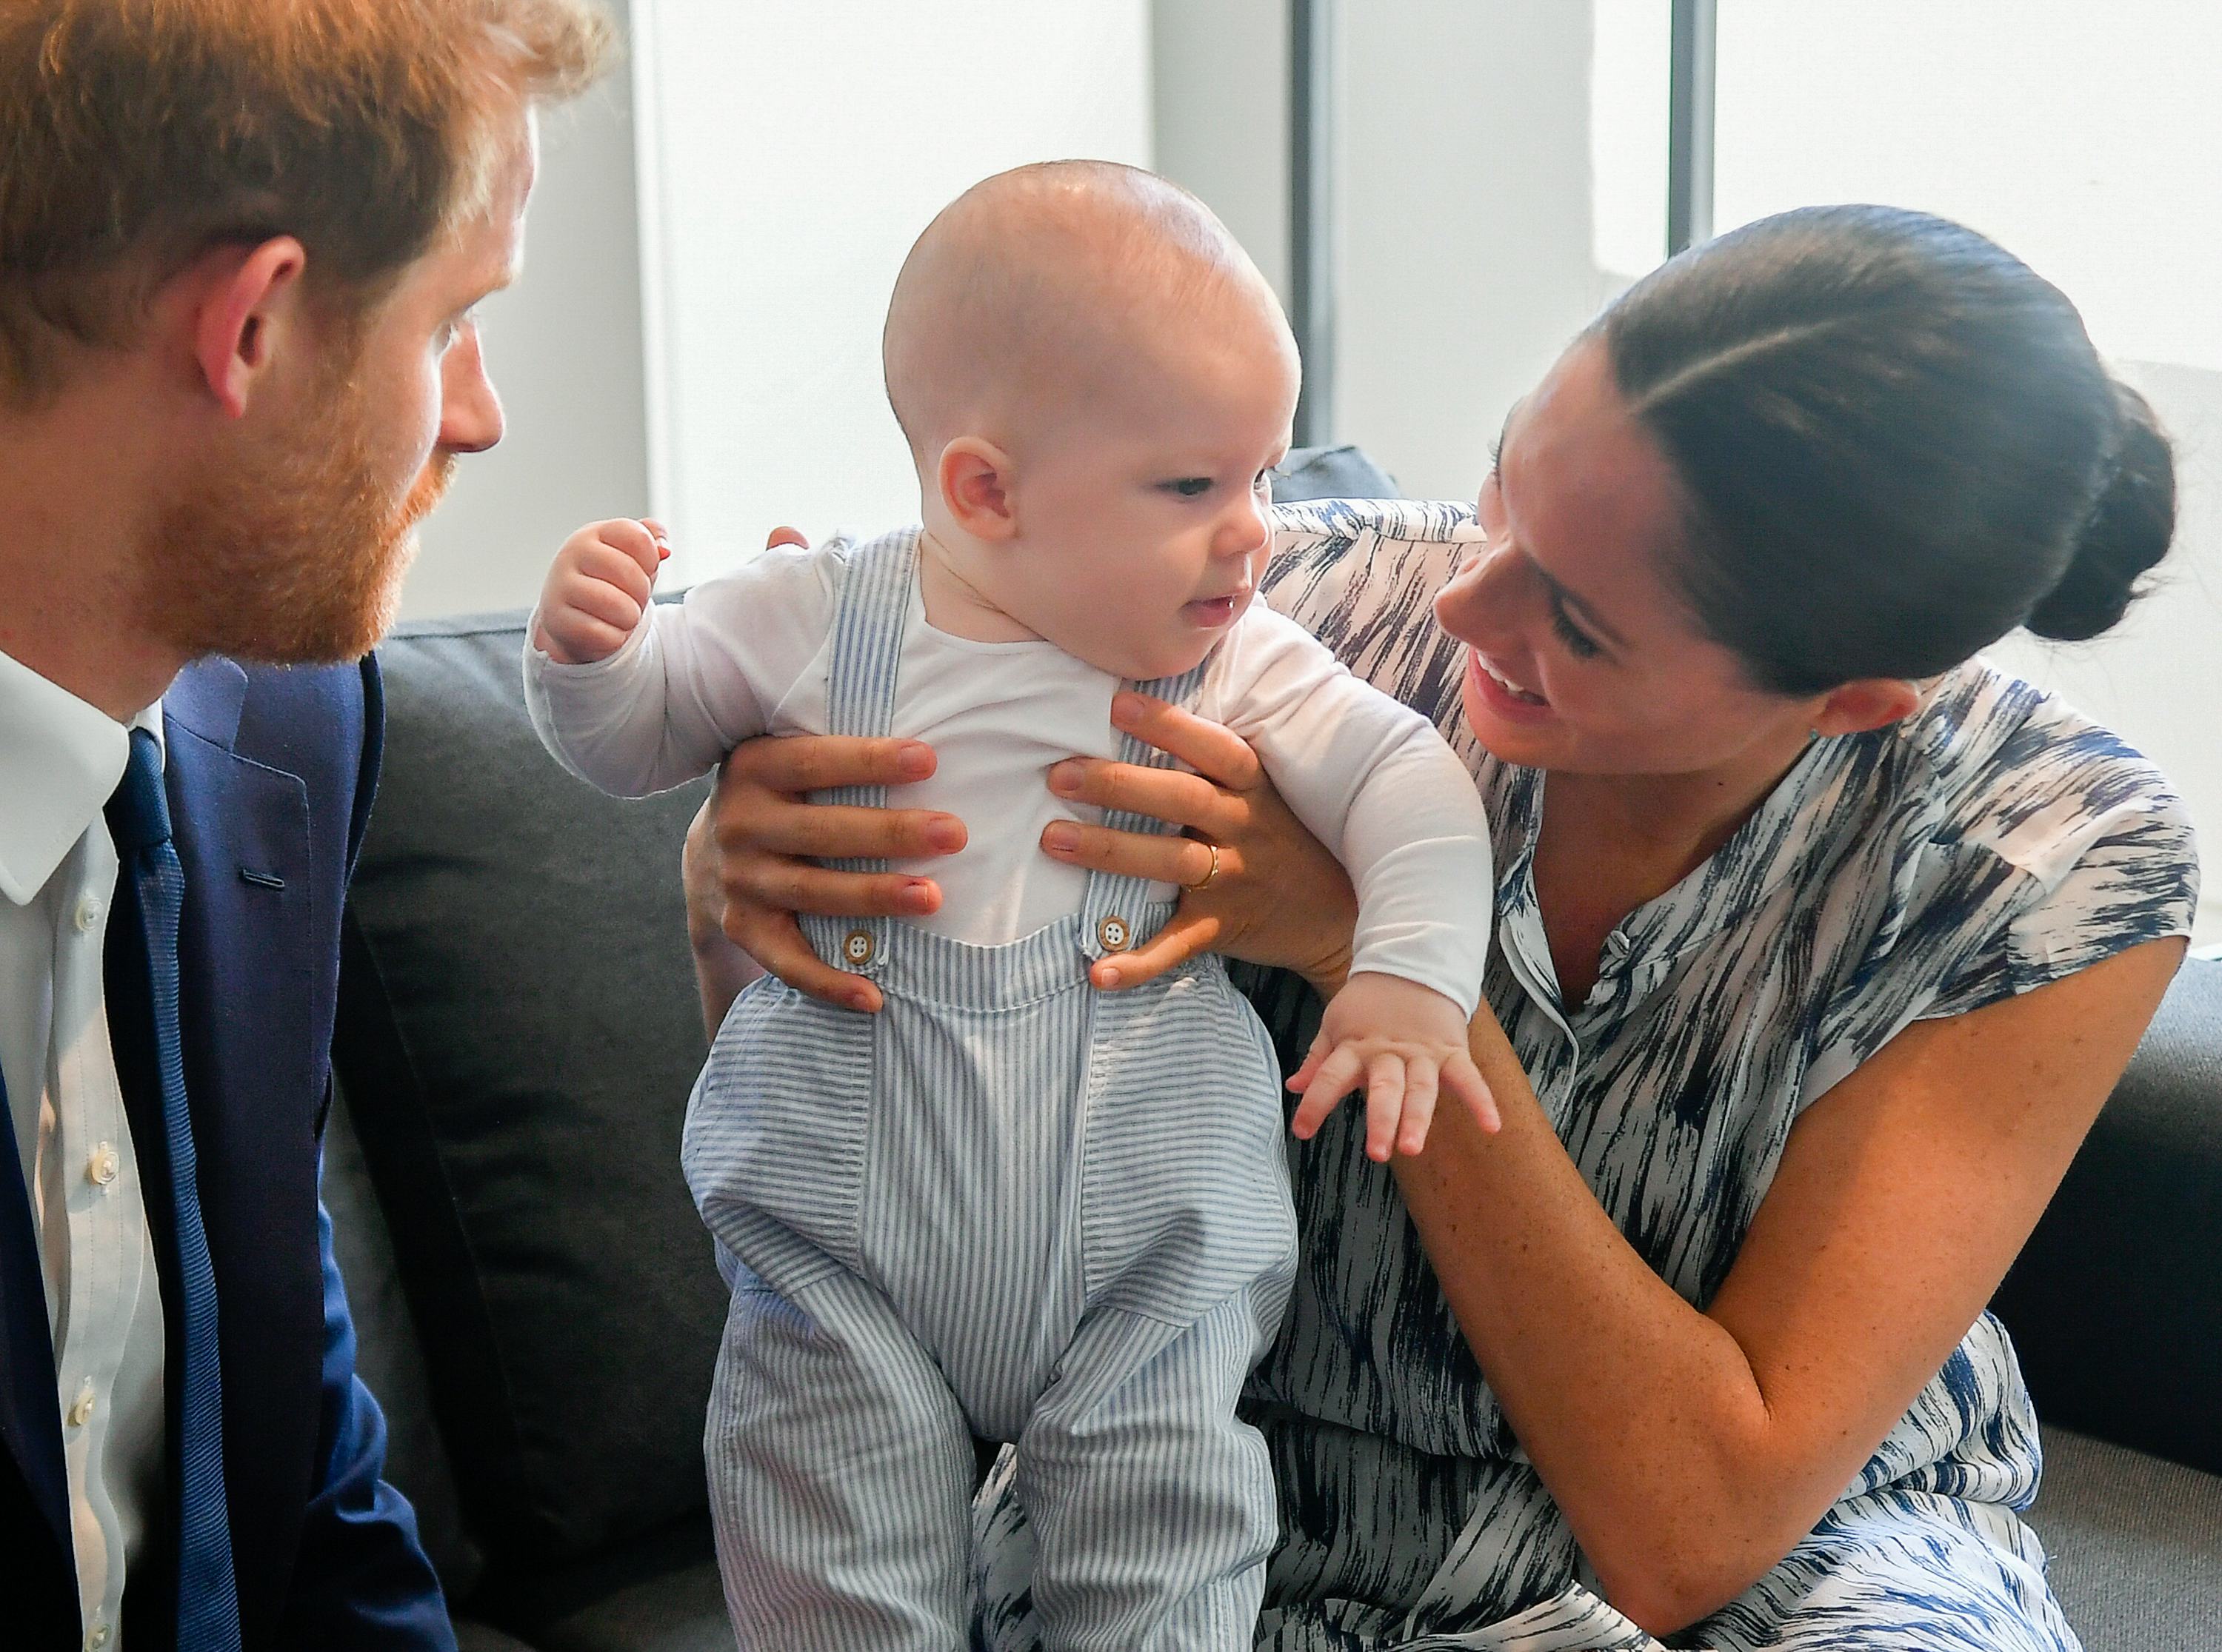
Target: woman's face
x,y
1581,654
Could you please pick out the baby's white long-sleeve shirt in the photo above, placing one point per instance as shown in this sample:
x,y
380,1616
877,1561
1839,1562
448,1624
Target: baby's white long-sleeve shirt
x,y
747,654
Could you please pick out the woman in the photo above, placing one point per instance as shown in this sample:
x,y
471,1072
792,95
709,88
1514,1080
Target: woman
x,y
1814,969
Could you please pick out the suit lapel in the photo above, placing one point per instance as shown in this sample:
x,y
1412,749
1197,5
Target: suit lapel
x,y
247,985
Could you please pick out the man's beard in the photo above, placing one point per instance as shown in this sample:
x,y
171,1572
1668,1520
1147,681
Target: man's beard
x,y
292,555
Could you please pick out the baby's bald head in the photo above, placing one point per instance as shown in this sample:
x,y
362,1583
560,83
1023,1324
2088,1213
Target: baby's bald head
x,y
1042,287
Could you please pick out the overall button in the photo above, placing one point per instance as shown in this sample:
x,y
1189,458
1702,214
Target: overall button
x,y
105,1165
1114,934
858,949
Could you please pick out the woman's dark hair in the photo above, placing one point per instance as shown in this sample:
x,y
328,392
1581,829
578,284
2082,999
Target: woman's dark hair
x,y
1896,444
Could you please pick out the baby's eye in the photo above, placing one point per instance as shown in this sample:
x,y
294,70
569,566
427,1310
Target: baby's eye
x,y
1190,487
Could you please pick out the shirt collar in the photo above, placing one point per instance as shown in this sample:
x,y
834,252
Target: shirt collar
x,y
60,759
1778,846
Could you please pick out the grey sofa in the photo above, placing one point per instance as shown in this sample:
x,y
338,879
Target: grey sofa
x,y
538,1312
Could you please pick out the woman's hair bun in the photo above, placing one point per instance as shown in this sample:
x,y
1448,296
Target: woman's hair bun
x,y
2131,524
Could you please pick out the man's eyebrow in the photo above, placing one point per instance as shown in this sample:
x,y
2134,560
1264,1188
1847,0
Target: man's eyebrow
x,y
497,278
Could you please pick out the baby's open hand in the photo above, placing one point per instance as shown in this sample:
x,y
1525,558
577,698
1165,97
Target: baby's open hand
x,y
1404,1042
598,590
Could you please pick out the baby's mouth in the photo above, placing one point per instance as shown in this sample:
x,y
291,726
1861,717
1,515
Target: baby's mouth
x,y
1216,610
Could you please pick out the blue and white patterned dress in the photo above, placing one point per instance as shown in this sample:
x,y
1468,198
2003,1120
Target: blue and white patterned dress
x,y
1991,842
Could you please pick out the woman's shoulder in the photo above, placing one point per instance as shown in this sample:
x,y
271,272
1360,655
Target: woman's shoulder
x,y
2017,772
2028,838
1361,575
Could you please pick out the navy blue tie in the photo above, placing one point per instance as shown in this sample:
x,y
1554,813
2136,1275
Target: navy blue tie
x,y
207,1600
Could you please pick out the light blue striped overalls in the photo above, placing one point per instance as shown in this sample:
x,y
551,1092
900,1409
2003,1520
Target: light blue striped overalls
x,y
1006,1206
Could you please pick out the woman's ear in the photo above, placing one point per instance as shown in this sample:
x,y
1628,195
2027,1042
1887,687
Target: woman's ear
x,y
1867,703
975,478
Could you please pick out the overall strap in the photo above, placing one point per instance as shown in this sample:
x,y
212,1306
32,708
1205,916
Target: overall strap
x,y
1119,911
860,697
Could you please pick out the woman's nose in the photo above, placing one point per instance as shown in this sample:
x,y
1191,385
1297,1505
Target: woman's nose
x,y
1479,597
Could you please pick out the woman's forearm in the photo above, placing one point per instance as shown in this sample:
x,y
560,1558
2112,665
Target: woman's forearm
x,y
1691,1451
721,971
1643,1416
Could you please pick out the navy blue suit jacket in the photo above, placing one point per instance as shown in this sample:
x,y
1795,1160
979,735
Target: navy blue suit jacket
x,y
270,775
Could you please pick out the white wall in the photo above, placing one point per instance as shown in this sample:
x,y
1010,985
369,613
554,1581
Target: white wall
x,y
800,149
2108,189
1464,257
564,347
1219,106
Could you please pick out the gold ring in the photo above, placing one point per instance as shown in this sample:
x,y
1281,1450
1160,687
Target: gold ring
x,y
1204,882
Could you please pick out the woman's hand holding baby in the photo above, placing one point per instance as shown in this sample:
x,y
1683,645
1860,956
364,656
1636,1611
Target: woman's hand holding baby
x,y
1406,1044
599,589
1274,895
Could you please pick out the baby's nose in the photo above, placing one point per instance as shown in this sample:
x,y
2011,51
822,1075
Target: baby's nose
x,y
1243,529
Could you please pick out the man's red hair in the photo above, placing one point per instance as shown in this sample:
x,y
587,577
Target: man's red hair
x,y
137,135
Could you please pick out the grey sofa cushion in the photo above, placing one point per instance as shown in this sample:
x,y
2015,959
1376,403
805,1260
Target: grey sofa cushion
x,y
2116,1304
1331,474
660,1593
518,1033
389,1358
474,1637
2136,1546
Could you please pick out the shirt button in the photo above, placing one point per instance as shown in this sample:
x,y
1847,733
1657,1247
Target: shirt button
x,y
88,912
96,1638
105,1165
80,1411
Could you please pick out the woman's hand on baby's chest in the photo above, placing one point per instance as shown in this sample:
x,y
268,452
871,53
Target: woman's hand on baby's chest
x,y
1259,887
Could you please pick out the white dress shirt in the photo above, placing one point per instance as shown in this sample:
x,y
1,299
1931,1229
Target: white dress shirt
x,y
61,759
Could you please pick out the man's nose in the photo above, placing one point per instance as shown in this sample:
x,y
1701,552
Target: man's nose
x,y
470,408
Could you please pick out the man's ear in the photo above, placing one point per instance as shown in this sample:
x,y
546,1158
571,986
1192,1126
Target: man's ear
x,y
975,478
1868,703
245,308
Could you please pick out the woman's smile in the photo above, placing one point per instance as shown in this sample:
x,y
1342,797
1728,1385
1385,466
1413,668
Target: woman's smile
x,y
1500,694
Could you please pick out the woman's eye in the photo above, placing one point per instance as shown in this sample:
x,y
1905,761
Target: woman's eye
x,y
1190,487
1578,642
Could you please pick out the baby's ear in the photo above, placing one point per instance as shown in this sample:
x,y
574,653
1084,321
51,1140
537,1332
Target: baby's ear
x,y
975,476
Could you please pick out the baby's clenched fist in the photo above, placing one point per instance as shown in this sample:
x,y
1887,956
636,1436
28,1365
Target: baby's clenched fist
x,y
599,589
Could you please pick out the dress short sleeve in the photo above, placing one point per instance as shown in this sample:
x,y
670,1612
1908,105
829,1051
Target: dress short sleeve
x,y
2107,863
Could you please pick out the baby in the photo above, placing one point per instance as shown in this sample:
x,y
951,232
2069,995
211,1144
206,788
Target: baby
x,y
1008,1207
